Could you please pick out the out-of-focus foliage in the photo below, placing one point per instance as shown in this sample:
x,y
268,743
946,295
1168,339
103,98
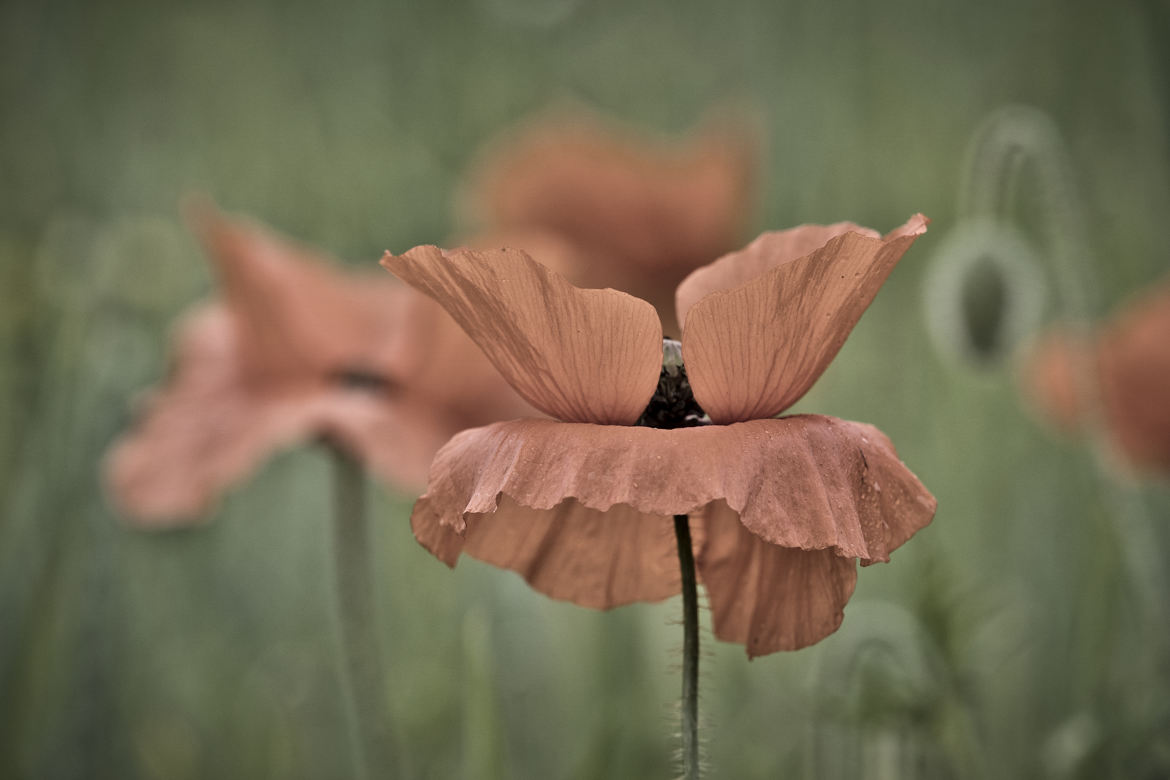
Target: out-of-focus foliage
x,y
1023,635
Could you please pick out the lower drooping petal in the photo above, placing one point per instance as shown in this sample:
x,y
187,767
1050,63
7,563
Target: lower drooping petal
x,y
562,503
593,558
767,597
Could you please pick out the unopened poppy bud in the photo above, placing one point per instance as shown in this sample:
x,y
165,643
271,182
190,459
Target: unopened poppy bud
x,y
984,294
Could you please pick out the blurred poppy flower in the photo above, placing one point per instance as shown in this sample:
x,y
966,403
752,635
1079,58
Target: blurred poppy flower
x,y
295,349
647,211
582,506
1118,373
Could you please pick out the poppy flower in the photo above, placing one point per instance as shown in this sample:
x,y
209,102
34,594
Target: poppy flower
x,y
1118,374
295,349
648,210
582,505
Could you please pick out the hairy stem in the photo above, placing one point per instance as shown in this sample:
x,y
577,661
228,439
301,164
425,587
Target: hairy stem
x,y
363,687
690,683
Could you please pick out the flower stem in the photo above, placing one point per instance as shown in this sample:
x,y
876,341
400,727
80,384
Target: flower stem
x,y
690,684
363,687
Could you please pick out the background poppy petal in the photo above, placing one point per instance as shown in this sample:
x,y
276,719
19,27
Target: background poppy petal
x,y
297,312
205,430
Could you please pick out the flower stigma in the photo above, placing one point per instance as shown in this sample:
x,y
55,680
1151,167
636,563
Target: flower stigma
x,y
673,404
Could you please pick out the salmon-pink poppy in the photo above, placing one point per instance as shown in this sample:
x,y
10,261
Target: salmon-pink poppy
x,y
648,210
1118,373
296,349
582,505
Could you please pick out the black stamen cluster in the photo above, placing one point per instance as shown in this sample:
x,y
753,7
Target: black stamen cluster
x,y
673,404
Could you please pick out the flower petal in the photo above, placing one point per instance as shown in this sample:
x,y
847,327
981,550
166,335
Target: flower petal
x,y
552,250
597,559
296,314
646,210
432,362
753,351
1134,359
638,200
805,482
766,597
208,428
1117,376
1057,370
579,355
768,251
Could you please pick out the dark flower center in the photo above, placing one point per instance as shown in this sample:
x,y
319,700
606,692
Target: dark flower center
x,y
361,378
673,404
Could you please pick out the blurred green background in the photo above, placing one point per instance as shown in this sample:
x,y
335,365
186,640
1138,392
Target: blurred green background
x,y
1022,635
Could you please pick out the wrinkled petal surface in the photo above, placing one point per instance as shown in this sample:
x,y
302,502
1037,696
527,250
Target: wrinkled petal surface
x,y
753,351
578,355
593,558
768,251
766,597
600,494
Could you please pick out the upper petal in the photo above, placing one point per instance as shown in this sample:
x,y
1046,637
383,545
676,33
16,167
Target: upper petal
x,y
527,492
552,250
579,355
297,315
753,351
768,251
432,361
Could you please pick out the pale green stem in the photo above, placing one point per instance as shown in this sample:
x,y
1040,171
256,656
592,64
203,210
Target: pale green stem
x,y
363,686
